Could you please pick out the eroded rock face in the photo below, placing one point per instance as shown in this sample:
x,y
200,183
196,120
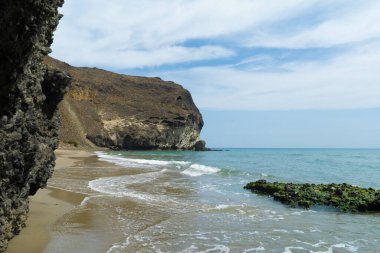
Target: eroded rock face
x,y
127,112
29,95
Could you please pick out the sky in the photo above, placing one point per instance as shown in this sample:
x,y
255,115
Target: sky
x,y
292,73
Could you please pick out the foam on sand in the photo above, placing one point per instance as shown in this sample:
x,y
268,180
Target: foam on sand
x,y
119,185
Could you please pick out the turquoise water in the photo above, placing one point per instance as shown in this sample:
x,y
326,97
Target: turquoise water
x,y
355,166
195,201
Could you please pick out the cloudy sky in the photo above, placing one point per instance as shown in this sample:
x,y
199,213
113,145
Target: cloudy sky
x,y
249,64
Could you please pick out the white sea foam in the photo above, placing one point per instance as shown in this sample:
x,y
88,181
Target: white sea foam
x,y
281,230
118,186
234,208
193,170
220,207
315,245
85,200
189,249
289,249
219,248
302,212
196,170
119,247
257,249
347,247
132,162
216,248
116,190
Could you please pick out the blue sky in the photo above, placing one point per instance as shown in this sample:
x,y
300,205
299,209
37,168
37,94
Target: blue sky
x,y
246,62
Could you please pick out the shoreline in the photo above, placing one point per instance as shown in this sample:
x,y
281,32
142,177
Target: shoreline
x,y
166,210
47,207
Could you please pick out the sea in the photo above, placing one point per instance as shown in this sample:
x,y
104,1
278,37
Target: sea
x,y
182,201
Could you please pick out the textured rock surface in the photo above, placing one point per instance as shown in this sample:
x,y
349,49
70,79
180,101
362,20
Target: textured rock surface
x,y
344,197
28,100
128,112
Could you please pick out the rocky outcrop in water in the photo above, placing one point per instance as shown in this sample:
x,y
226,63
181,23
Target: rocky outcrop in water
x,y
127,112
345,197
29,95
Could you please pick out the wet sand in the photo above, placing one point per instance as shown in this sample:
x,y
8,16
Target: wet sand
x,y
70,216
47,207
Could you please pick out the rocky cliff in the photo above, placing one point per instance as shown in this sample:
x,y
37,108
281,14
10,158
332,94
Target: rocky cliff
x,y
127,112
29,95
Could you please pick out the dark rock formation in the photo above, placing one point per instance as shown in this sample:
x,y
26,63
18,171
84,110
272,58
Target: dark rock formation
x,y
344,197
127,112
201,146
29,95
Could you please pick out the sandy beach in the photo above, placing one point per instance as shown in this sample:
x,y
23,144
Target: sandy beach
x,y
46,207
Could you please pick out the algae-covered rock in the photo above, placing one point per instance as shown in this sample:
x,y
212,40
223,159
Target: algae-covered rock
x,y
345,197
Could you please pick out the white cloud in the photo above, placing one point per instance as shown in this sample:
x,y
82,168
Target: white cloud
x,y
98,28
347,82
353,26
119,58
146,33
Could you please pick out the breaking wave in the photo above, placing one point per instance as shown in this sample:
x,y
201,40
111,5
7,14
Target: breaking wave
x,y
196,170
186,168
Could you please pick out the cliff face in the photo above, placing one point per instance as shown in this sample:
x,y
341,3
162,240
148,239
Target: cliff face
x,y
29,95
128,112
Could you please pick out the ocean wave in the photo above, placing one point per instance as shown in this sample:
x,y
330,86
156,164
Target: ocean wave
x,y
196,170
133,162
189,169
230,172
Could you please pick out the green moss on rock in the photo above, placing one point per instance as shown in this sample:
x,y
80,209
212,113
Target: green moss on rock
x,y
345,197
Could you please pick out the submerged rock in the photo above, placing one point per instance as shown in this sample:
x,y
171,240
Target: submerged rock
x,y
29,95
345,197
127,112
